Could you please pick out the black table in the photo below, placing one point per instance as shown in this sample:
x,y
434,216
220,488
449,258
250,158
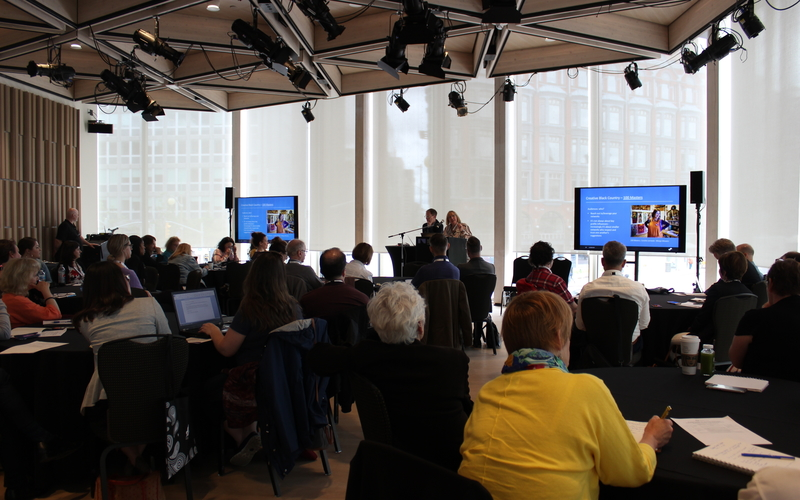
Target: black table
x,y
68,305
665,321
641,393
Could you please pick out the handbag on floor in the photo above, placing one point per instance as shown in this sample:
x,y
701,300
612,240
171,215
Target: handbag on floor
x,y
144,487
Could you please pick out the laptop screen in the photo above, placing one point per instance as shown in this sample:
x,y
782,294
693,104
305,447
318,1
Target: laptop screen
x,y
193,308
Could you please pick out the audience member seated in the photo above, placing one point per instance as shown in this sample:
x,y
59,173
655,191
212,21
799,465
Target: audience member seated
x,y
751,276
8,251
119,250
541,277
69,271
362,256
791,255
18,277
772,483
182,257
749,252
440,268
335,297
225,251
426,388
258,243
170,247
538,431
135,262
152,253
476,264
732,266
5,322
296,250
611,283
266,305
111,313
278,245
767,340
29,247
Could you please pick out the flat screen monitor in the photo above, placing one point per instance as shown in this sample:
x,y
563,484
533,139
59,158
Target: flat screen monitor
x,y
643,218
271,215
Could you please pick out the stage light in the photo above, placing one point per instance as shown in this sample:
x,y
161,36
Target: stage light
x,y
501,12
306,112
58,73
719,48
395,61
269,51
747,19
457,101
132,92
155,46
632,76
318,11
401,103
435,58
509,91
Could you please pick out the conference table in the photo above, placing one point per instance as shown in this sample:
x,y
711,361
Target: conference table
x,y
667,317
641,393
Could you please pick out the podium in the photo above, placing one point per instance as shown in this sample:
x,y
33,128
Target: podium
x,y
421,253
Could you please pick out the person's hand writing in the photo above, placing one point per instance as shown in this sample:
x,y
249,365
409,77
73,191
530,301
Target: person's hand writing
x,y
657,433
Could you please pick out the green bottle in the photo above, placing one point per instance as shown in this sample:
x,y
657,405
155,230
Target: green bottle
x,y
707,360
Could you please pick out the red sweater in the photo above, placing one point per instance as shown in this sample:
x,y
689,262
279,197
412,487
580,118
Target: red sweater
x,y
23,311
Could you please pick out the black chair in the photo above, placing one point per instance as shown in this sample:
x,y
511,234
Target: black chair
x,y
194,280
728,311
480,288
411,268
170,278
134,375
139,292
382,472
235,275
522,268
372,410
447,317
760,291
365,286
151,278
610,322
562,267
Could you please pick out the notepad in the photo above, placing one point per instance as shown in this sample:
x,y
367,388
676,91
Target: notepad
x,y
728,453
751,384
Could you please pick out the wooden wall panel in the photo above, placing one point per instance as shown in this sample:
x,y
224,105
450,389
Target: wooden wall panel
x,y
39,165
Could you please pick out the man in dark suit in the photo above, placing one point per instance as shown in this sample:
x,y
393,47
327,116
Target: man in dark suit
x,y
440,268
335,297
296,249
476,264
432,226
426,388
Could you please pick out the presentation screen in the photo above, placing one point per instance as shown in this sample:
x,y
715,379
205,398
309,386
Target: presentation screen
x,y
643,218
271,215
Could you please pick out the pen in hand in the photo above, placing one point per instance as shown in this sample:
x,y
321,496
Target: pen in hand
x,y
666,412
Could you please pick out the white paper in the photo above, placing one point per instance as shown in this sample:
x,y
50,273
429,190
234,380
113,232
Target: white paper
x,y
713,430
637,429
63,295
195,340
16,332
58,322
53,332
693,305
32,347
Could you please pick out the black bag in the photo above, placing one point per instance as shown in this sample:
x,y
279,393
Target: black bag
x,y
180,439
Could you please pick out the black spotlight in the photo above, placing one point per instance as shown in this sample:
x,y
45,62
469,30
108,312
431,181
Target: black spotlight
x,y
457,101
632,76
692,63
501,12
401,103
157,47
59,73
306,112
435,58
747,19
131,91
318,11
270,52
508,91
395,61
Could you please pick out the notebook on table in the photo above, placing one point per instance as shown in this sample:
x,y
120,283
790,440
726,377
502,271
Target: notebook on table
x,y
728,453
751,384
194,308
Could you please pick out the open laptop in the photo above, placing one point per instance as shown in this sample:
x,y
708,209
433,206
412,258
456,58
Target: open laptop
x,y
194,308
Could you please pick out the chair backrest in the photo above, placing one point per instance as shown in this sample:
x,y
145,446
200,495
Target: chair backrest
x,y
364,286
479,294
170,278
411,268
447,319
382,472
728,311
372,412
151,278
194,280
522,268
134,374
235,274
458,250
561,268
610,322
348,327
760,291
297,286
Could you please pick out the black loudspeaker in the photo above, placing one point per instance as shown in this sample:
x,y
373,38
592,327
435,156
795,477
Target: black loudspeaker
x,y
96,127
229,197
697,189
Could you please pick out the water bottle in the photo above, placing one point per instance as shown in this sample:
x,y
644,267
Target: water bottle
x,y
62,275
707,360
41,276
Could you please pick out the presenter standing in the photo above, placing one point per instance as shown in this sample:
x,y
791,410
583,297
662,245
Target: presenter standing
x,y
432,226
455,228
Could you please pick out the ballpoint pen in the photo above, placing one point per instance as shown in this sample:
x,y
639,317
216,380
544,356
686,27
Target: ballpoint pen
x,y
757,455
666,412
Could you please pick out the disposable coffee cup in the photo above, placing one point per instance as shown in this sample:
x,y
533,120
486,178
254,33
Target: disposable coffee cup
x,y
690,346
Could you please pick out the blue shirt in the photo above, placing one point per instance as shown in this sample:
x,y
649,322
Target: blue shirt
x,y
439,269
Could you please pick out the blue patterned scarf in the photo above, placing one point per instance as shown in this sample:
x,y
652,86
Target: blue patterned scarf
x,y
532,359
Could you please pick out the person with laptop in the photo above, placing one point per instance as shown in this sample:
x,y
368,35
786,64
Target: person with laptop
x,y
266,305
111,313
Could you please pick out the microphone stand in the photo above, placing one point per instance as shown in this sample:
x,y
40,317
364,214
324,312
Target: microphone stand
x,y
699,259
402,235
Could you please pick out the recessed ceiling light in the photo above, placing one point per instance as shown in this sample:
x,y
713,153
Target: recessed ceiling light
x,y
549,40
76,46
212,7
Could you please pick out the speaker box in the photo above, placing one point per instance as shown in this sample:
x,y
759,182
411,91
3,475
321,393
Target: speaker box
x,y
697,189
101,128
229,197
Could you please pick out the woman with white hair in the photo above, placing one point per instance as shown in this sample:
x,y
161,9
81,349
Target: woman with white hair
x,y
425,388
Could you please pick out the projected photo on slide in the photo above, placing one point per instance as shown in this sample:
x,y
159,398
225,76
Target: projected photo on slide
x,y
655,221
280,221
